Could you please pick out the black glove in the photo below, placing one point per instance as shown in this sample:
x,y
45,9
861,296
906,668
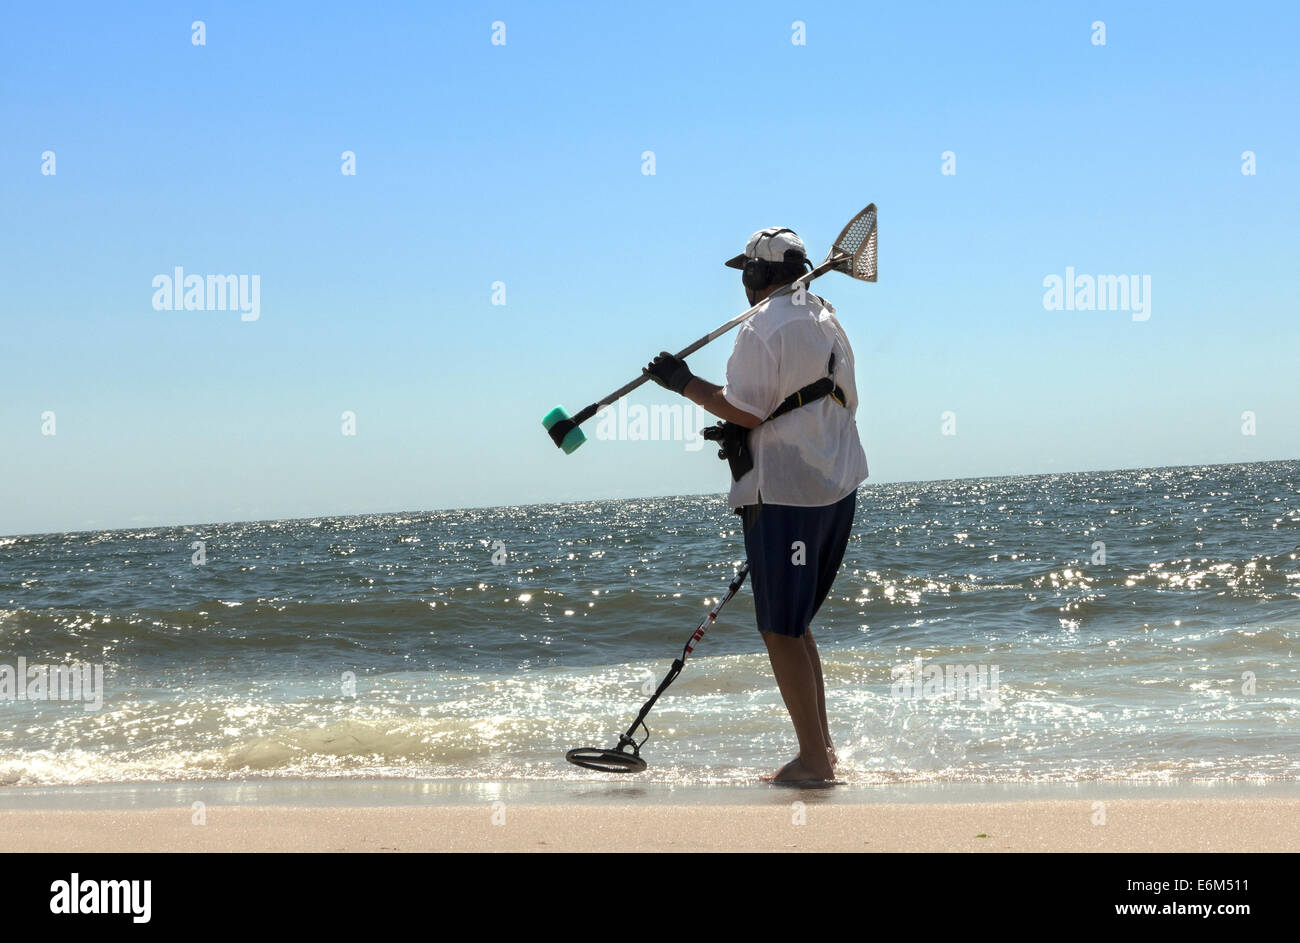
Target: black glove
x,y
669,372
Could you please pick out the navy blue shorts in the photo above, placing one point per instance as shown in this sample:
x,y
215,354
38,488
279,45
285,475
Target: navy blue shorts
x,y
794,554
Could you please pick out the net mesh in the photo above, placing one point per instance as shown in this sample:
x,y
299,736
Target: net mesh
x,y
858,243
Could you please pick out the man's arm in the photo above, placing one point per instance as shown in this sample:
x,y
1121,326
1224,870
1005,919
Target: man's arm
x,y
672,374
703,393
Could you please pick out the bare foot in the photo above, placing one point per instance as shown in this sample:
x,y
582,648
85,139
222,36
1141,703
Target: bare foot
x,y
796,771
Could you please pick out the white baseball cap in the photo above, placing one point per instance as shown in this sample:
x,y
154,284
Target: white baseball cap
x,y
770,245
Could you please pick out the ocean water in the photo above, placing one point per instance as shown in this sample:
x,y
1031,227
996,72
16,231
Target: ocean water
x,y
481,644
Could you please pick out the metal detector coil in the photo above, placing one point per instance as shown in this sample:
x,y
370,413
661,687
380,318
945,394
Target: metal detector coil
x,y
617,760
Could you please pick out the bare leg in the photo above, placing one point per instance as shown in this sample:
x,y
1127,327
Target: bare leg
x,y
798,683
821,695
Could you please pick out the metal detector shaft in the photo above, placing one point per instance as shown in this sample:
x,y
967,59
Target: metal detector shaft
x,y
831,261
676,669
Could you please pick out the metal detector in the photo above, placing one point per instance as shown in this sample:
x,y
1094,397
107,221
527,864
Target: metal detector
x,y
854,254
622,760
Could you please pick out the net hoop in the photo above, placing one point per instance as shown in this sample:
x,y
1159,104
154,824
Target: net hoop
x,y
856,244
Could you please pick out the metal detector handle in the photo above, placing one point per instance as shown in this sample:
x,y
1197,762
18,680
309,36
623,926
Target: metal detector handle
x,y
832,260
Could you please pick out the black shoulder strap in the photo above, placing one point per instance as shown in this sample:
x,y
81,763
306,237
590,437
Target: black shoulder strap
x,y
812,392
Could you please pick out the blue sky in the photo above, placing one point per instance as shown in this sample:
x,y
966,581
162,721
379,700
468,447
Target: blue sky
x,y
522,163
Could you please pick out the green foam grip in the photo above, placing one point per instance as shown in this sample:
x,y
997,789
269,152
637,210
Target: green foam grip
x,y
573,438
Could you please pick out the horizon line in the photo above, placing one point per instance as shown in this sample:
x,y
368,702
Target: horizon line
x,y
490,507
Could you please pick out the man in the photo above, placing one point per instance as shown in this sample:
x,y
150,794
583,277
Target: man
x,y
797,500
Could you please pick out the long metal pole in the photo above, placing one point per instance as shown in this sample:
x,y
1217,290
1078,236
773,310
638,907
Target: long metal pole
x,y
676,669
832,260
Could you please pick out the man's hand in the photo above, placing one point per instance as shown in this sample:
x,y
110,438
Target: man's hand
x,y
672,373
669,372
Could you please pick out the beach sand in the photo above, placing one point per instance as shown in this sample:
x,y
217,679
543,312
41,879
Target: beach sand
x,y
1131,825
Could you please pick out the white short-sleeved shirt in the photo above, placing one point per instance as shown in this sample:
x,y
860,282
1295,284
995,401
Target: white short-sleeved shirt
x,y
811,456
